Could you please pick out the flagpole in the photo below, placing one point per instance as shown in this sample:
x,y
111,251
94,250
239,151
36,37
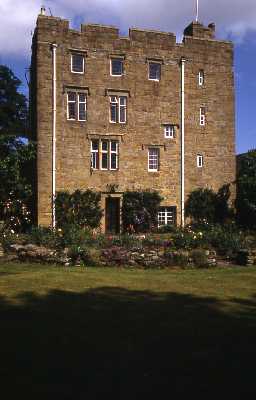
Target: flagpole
x,y
196,10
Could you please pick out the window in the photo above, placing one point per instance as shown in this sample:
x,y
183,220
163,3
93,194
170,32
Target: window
x,y
202,116
199,160
201,78
154,71
153,159
95,154
76,106
166,216
77,63
104,154
116,67
169,131
118,109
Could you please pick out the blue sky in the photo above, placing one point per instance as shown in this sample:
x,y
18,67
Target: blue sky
x,y
235,20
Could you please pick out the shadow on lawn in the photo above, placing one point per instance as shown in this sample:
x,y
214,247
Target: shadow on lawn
x,y
127,344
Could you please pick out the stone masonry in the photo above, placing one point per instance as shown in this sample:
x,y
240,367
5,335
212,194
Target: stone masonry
x,y
151,104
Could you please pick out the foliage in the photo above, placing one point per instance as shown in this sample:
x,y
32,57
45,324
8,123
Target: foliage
x,y
15,214
79,254
199,258
16,155
13,105
139,210
78,208
246,190
206,205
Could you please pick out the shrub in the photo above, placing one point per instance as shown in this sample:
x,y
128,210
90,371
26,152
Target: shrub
x,y
139,211
15,214
206,205
78,208
79,254
199,258
43,236
181,258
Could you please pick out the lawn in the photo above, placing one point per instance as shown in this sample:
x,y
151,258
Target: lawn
x,y
81,333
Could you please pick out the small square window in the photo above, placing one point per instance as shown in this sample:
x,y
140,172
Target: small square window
x,y
201,78
116,66
167,216
154,71
77,63
202,116
153,159
169,131
199,160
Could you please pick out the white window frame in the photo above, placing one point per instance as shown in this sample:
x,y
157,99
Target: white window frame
x,y
71,102
81,55
201,77
202,116
169,131
160,66
166,214
109,153
118,104
122,63
152,158
95,154
199,161
78,104
113,152
104,152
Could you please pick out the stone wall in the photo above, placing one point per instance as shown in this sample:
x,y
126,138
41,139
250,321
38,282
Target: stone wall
x,y
151,104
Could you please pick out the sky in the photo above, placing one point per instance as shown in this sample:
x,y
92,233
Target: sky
x,y
235,20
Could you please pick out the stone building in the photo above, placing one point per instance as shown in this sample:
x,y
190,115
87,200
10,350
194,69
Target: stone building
x,y
130,113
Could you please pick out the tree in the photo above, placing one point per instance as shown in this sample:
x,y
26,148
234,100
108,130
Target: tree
x,y
13,105
16,155
246,190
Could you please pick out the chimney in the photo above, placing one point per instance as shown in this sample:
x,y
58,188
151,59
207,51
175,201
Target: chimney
x,y
43,10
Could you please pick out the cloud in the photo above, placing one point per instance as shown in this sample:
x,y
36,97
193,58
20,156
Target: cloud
x,y
18,18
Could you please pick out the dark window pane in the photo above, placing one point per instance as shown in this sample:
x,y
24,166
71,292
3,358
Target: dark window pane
x,y
77,63
71,110
82,112
154,71
116,66
104,160
113,161
122,114
105,145
113,146
71,96
113,112
95,144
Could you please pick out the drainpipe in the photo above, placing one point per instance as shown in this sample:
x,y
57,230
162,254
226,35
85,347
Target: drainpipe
x,y
54,48
182,141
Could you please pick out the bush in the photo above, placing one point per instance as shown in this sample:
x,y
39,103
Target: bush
x,y
47,237
15,214
206,205
139,211
199,258
78,208
79,254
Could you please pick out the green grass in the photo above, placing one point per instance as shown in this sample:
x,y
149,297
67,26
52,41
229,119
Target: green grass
x,y
76,333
